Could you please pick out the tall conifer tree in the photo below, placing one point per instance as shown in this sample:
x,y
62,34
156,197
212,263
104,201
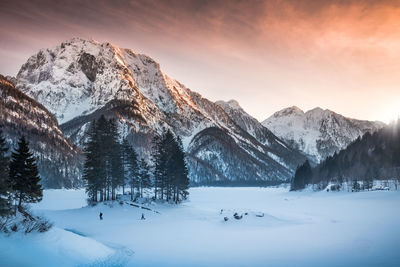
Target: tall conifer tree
x,y
4,177
24,175
144,176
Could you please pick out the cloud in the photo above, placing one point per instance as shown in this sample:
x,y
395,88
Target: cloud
x,y
242,48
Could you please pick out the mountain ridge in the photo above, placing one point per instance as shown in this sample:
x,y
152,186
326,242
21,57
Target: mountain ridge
x,y
318,132
81,79
59,161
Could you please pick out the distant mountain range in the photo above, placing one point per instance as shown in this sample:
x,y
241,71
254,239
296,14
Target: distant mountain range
x,y
318,133
373,156
81,80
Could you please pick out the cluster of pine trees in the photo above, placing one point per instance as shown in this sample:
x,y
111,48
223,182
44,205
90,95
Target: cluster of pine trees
x,y
371,157
111,164
19,177
170,173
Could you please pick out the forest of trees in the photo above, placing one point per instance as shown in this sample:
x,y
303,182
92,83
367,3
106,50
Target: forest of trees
x,y
111,165
19,178
371,157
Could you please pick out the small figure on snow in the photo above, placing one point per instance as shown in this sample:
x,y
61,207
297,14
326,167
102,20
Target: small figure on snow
x,y
222,210
143,218
101,216
226,219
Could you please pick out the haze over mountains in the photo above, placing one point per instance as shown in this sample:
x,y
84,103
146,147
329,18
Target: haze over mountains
x,y
80,80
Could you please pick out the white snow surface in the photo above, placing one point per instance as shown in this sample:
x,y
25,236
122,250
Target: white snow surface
x,y
298,229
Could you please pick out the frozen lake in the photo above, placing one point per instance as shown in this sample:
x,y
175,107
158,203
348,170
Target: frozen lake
x,y
280,229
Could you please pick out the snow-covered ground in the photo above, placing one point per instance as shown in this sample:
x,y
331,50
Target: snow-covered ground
x,y
297,229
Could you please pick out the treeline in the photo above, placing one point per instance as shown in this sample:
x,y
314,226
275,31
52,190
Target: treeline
x,y
372,157
19,178
111,165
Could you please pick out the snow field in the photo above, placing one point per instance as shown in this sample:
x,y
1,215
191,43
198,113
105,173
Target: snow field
x,y
298,229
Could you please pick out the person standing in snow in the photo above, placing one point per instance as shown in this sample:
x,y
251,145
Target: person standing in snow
x,y
101,216
143,218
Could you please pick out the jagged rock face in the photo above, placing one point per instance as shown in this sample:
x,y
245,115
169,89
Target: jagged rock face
x,y
270,141
80,80
249,124
88,65
318,133
214,149
59,161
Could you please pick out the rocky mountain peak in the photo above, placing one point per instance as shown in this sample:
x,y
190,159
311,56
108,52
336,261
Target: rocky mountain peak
x,y
80,80
290,111
80,76
318,132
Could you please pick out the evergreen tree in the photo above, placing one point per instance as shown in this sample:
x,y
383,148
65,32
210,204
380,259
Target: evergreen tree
x,y
4,178
159,157
170,170
24,175
104,147
115,157
93,171
302,176
144,176
356,186
181,178
170,178
131,167
124,154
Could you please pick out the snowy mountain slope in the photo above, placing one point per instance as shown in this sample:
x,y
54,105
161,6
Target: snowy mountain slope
x,y
214,149
82,79
317,133
258,131
58,159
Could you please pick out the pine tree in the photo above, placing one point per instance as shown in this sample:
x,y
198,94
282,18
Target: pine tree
x,y
131,167
356,186
115,157
93,171
4,178
124,154
159,160
170,170
302,176
104,147
24,175
144,176
170,149
181,181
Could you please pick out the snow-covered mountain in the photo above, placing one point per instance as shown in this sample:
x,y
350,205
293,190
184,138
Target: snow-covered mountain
x,y
253,127
83,79
318,133
59,161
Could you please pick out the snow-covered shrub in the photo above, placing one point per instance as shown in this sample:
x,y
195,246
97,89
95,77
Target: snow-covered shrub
x,y
335,187
24,222
40,225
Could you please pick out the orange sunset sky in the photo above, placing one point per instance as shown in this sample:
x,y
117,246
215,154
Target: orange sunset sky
x,y
268,55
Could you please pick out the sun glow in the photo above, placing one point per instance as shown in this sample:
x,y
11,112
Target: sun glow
x,y
390,112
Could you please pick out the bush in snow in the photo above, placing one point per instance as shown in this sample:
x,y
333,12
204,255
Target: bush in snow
x,y
40,225
24,222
